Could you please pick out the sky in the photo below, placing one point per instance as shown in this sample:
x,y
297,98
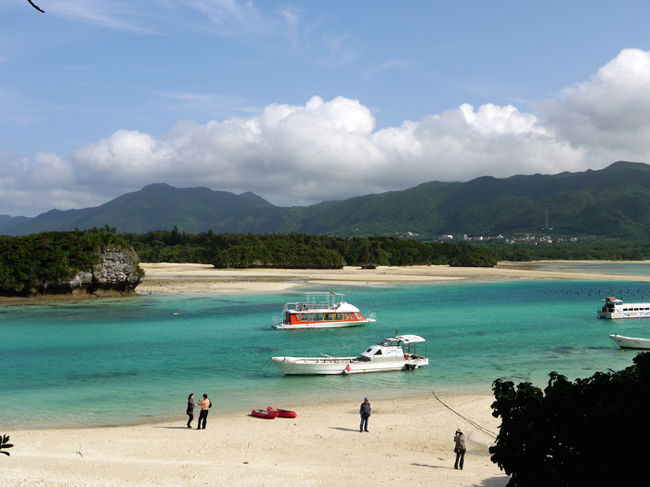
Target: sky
x,y
308,101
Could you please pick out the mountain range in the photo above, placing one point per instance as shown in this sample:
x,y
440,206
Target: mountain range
x,y
611,202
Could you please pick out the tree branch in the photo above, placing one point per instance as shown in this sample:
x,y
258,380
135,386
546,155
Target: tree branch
x,y
36,6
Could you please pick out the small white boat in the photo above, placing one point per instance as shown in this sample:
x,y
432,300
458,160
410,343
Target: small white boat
x,y
320,310
631,342
615,309
392,353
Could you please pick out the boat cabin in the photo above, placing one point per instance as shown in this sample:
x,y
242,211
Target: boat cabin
x,y
399,347
610,304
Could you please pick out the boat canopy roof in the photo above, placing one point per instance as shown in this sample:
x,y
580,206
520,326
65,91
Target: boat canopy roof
x,y
347,308
407,338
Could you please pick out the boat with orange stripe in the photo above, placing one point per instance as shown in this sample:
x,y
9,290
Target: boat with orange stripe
x,y
321,310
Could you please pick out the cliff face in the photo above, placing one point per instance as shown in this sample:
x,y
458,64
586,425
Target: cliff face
x,y
117,271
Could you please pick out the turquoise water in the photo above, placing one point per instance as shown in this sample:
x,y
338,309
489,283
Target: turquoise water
x,y
135,360
615,268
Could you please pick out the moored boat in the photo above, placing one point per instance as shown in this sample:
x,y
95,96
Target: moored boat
x,y
393,353
615,309
631,342
321,310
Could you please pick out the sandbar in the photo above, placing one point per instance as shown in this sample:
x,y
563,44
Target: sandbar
x,y
204,278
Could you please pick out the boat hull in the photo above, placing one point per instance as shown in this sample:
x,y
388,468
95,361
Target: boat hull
x,y
631,342
264,414
283,413
328,324
342,365
619,315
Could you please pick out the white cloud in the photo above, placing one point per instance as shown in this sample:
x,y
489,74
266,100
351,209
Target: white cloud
x,y
331,149
607,115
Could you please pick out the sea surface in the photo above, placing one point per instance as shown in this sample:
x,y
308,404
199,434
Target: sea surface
x,y
125,361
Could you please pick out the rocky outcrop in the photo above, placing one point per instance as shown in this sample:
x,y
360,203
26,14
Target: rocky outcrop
x,y
117,272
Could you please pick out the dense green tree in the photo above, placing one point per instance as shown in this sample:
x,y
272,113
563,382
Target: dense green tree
x,y
296,250
586,432
26,263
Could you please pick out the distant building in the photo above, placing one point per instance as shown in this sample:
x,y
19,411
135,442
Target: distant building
x,y
447,237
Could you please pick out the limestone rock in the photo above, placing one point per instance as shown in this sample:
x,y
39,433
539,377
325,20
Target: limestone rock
x,y
117,271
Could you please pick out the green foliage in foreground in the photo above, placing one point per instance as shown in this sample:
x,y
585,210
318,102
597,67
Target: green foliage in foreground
x,y
574,433
299,251
27,262
4,444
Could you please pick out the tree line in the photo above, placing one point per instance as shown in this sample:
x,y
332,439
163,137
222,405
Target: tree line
x,y
299,251
588,248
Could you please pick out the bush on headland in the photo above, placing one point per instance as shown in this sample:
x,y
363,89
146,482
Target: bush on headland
x,y
299,251
574,433
52,262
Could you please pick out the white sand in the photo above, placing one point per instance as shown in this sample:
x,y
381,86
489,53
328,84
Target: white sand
x,y
200,278
410,443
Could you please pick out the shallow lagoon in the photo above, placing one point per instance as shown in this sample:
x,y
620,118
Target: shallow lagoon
x,y
136,360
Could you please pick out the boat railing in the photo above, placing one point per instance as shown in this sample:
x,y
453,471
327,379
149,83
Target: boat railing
x,y
310,306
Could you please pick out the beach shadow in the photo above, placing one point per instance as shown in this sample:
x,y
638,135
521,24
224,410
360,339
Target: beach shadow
x,y
173,427
430,466
493,482
343,429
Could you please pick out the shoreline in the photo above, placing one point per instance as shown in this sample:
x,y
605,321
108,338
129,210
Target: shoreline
x,y
410,440
173,278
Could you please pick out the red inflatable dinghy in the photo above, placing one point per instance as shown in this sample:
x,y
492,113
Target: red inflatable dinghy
x,y
283,413
264,413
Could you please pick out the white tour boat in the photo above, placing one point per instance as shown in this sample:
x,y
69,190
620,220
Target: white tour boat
x,y
631,342
392,353
320,310
615,308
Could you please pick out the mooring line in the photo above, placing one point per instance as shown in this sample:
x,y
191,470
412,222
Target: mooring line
x,y
262,367
473,423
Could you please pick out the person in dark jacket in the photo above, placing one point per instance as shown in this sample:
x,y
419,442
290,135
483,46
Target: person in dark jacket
x,y
459,449
190,409
364,411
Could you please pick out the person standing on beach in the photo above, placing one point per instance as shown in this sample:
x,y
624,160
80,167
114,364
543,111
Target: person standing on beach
x,y
364,411
190,409
459,449
205,404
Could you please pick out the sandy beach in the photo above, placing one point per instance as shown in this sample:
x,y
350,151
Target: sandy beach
x,y
410,439
410,442
202,278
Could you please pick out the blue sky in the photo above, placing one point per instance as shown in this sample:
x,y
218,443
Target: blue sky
x,y
302,102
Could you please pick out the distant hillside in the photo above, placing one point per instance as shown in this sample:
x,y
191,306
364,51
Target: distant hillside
x,y
156,207
612,202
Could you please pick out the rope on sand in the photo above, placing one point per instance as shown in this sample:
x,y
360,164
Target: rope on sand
x,y
483,430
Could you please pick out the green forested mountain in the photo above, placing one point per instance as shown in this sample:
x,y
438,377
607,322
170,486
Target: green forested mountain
x,y
157,206
611,202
